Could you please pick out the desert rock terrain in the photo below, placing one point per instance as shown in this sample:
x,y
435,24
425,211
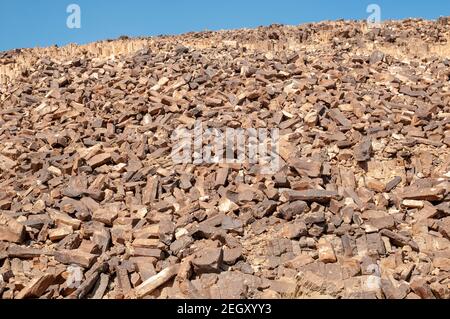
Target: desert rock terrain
x,y
92,204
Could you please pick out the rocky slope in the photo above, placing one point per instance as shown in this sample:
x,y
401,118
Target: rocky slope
x,y
92,204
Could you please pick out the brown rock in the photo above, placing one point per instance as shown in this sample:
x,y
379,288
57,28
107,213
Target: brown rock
x,y
421,288
76,257
362,152
429,194
399,240
232,255
208,260
99,160
11,230
294,230
326,251
290,210
105,216
316,195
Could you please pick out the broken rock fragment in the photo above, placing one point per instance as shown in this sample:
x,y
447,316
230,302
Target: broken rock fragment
x,y
76,257
208,260
352,201
362,151
326,251
11,230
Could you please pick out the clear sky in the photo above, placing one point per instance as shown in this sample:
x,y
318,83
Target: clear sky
x,y
31,23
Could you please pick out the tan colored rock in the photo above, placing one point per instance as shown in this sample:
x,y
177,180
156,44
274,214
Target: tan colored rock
x,y
36,287
11,230
326,251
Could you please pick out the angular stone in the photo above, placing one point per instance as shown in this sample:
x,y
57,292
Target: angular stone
x,y
284,286
11,230
230,287
394,292
290,210
76,257
421,288
264,208
307,167
179,245
105,216
362,152
294,230
149,193
208,260
99,160
377,224
393,183
376,56
36,287
326,251
232,255
312,195
429,194
59,233
399,240
65,220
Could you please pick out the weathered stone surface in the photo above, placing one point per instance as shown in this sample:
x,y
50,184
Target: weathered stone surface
x,y
11,230
76,257
208,260
326,251
421,288
312,195
358,206
294,230
36,287
363,151
290,210
232,255
105,216
430,194
399,240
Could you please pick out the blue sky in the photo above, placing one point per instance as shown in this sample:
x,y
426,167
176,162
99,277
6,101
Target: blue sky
x,y
31,23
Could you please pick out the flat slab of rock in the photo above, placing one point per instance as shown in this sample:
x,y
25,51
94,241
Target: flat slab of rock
x,y
36,287
11,230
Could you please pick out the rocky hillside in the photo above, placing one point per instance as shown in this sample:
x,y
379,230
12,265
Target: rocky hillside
x,y
93,205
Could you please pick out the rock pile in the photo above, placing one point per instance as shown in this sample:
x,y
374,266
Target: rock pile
x,y
93,206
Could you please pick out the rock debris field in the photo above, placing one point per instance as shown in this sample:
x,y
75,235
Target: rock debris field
x,y
93,206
